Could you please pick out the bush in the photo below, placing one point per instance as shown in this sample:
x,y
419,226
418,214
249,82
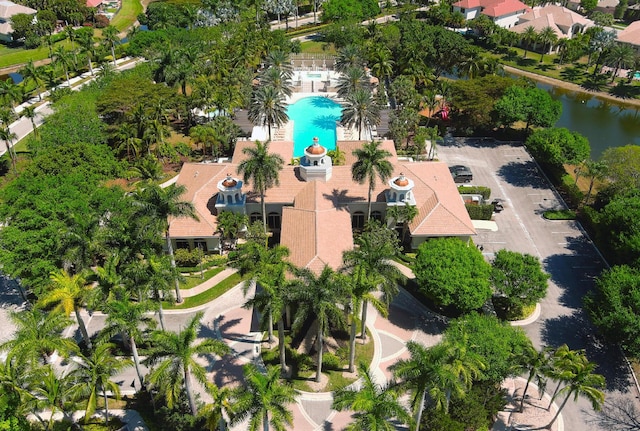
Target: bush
x,y
475,190
101,21
570,191
331,362
480,212
559,215
187,258
183,149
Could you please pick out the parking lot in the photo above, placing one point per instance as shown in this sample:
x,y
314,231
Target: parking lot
x,y
565,251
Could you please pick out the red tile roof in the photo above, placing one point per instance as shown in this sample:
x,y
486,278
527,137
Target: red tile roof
x,y
631,34
494,8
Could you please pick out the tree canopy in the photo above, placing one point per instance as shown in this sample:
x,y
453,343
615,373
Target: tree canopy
x,y
531,105
557,146
453,274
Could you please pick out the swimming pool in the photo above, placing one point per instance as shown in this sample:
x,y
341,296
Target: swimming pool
x,y
314,116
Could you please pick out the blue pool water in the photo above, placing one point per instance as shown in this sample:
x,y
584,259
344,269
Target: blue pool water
x,y
314,116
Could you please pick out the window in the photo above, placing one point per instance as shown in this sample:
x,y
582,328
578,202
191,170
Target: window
x,y
376,215
201,244
273,221
182,243
254,217
357,220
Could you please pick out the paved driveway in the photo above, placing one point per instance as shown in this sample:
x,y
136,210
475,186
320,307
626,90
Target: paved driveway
x,y
565,251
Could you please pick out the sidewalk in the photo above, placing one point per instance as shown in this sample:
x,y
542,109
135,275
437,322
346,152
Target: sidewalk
x,y
208,284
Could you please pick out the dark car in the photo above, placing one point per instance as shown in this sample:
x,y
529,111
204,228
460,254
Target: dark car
x,y
461,173
497,205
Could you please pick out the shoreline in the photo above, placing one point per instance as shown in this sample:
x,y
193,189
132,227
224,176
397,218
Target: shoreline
x,y
573,87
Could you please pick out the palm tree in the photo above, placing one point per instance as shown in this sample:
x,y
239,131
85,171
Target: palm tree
x,y
537,363
374,405
529,36
547,36
30,113
437,371
205,135
53,393
268,108
361,110
127,139
94,375
160,204
88,47
277,78
269,273
319,296
263,169
351,80
124,317
371,270
230,225
431,101
11,93
620,56
220,407
110,37
371,163
585,383
69,292
61,56
349,56
174,354
563,364
264,400
72,36
35,74
382,64
402,214
38,335
8,136
279,59
595,171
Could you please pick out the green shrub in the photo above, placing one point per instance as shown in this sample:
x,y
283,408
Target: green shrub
x,y
331,362
560,215
475,190
183,149
570,191
480,212
187,258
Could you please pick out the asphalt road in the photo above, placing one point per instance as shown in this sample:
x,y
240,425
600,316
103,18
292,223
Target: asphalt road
x,y
565,251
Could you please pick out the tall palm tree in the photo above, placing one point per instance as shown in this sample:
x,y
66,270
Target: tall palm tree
x,y
382,64
215,412
71,34
264,400
371,163
374,405
10,93
319,296
537,363
437,371
35,74
37,336
351,80
88,48
110,38
349,56
371,270
53,393
595,171
174,354
69,293
361,110
564,362
160,204
268,107
204,134
529,36
620,56
584,383
127,140
402,214
30,113
279,59
94,375
262,169
269,273
8,136
547,36
61,56
125,317
278,79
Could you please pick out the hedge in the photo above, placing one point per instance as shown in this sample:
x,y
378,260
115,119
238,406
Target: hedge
x,y
475,190
480,212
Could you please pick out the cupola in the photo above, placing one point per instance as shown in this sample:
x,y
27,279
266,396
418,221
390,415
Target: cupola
x,y
400,191
315,164
230,196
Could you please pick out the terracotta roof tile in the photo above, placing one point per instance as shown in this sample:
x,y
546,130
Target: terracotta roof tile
x,y
631,34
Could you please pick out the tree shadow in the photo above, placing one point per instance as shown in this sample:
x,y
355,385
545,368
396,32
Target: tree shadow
x,y
526,62
522,174
625,91
572,73
595,83
10,296
577,332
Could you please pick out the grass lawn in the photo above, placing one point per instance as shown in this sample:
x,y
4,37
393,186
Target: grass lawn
x,y
16,56
194,280
312,47
127,15
334,365
208,295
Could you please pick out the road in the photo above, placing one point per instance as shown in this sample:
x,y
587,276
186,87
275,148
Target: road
x,y
566,253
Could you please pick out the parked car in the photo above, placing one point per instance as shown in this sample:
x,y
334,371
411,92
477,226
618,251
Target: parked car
x,y
461,174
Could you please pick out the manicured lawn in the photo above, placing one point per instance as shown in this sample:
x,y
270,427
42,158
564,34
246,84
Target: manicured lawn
x,y
312,47
13,56
194,280
129,11
208,295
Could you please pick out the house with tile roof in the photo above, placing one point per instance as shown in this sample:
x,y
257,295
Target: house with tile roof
x,y
504,13
564,22
317,206
631,35
7,10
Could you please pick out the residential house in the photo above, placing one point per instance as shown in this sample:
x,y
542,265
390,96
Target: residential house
x,y
564,22
504,13
7,10
631,36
